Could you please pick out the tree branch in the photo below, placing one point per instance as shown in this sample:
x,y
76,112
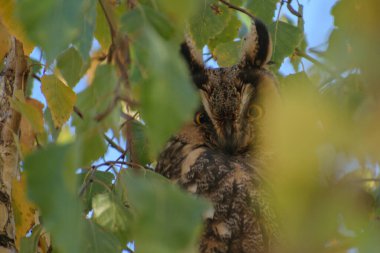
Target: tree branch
x,y
231,6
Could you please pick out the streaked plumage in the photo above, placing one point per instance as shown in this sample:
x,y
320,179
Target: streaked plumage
x,y
218,156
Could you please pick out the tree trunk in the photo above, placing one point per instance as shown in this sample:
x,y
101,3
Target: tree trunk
x,y
12,79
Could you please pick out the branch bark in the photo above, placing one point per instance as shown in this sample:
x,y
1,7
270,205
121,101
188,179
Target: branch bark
x,y
12,79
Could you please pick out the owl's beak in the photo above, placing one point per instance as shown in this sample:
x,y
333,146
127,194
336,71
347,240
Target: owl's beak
x,y
229,141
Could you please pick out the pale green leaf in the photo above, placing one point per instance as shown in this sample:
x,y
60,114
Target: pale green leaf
x,y
111,215
60,99
93,183
263,9
285,38
210,20
70,65
51,185
169,219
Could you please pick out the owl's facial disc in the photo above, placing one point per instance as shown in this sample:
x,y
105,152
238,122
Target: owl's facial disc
x,y
225,99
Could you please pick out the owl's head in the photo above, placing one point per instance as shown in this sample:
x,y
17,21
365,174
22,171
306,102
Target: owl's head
x,y
233,98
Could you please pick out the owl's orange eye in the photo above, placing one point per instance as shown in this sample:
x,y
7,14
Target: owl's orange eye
x,y
200,118
256,111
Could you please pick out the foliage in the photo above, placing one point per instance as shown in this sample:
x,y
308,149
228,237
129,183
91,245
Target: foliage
x,y
89,154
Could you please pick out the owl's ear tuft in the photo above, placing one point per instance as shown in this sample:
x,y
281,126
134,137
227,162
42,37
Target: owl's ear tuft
x,y
257,47
194,61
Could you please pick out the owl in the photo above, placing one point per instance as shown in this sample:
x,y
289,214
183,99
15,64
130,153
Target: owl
x,y
218,155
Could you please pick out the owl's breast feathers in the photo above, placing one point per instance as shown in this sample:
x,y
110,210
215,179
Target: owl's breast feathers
x,y
242,221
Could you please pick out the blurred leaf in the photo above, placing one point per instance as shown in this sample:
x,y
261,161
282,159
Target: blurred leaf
x,y
159,22
168,98
170,9
28,134
111,215
30,110
96,185
60,99
87,28
53,25
50,174
285,38
34,69
24,210
228,54
29,244
70,65
209,21
13,25
100,241
89,145
102,30
139,142
263,9
162,212
54,131
97,98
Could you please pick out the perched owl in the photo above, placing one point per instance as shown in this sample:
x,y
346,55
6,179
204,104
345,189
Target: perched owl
x,y
218,155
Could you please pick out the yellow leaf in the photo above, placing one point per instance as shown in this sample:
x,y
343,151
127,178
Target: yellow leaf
x,y
13,25
28,134
23,209
60,99
5,42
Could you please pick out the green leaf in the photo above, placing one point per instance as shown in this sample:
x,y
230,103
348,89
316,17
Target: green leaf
x,y
94,183
168,98
210,20
53,25
97,98
170,9
89,145
229,34
228,54
60,99
29,244
51,185
28,111
159,22
70,65
102,30
263,9
285,38
87,28
169,219
111,215
139,142
100,241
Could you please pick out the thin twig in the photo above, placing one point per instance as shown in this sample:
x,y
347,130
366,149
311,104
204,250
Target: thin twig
x,y
78,112
292,10
113,144
231,6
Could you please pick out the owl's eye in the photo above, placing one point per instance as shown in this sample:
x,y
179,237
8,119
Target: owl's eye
x,y
256,111
200,118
